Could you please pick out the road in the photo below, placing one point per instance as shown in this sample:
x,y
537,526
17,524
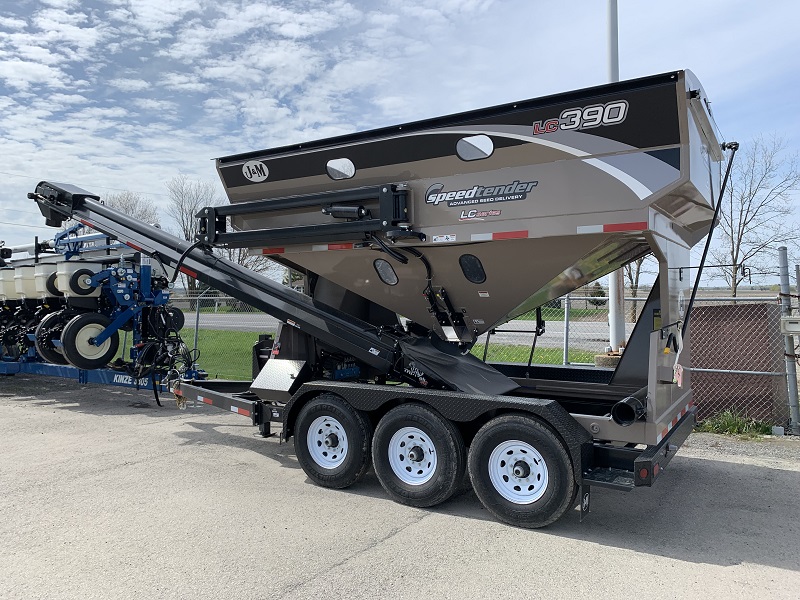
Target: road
x,y
591,336
104,495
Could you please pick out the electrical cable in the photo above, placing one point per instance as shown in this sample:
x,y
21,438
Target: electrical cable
x,y
182,258
733,146
390,251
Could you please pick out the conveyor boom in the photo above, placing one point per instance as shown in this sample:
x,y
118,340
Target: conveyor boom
x,y
59,202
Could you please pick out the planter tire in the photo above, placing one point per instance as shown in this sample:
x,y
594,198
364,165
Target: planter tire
x,y
49,328
77,346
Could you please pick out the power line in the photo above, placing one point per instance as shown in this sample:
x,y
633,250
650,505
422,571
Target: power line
x,y
24,212
102,187
21,225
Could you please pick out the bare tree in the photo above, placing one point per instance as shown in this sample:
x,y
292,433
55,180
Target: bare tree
x,y
257,262
134,205
633,272
186,198
756,212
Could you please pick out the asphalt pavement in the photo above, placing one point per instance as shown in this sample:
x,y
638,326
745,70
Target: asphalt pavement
x,y
105,495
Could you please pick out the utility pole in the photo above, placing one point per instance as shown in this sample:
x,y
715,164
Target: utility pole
x,y
616,281
788,341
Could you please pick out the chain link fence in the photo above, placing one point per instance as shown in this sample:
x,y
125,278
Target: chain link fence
x,y
738,360
736,344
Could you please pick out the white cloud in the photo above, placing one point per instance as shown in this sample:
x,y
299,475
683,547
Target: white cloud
x,y
155,106
12,23
184,82
73,32
22,74
156,17
127,93
277,65
129,85
62,4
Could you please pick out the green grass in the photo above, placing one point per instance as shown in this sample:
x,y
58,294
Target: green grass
x,y
557,314
519,354
224,308
228,354
224,354
732,423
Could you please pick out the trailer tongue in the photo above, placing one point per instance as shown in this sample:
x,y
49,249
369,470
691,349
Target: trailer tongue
x,y
458,225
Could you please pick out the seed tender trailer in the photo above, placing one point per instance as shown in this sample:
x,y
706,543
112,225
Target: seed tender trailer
x,y
417,239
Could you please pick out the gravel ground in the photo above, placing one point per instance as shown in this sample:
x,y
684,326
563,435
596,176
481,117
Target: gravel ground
x,y
104,495
767,450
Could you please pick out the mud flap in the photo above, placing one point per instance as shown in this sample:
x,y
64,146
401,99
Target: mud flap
x,y
585,499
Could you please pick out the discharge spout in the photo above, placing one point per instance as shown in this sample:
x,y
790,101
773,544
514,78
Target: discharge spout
x,y
630,409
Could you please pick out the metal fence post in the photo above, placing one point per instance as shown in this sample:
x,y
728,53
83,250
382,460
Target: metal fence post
x,y
788,342
567,307
197,318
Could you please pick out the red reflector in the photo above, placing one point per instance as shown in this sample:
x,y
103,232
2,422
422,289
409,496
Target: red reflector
x,y
509,235
340,246
85,222
134,246
272,251
656,469
189,272
638,226
643,473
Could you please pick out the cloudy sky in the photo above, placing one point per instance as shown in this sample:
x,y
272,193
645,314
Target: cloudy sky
x,y
118,95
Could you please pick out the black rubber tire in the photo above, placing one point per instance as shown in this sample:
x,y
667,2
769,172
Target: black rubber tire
x,y
51,286
558,496
356,426
448,445
45,333
74,283
75,344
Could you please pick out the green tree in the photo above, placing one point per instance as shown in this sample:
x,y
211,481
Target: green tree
x,y
598,296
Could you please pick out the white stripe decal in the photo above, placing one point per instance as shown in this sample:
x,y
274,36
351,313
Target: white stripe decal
x,y
590,229
636,186
481,237
515,136
317,247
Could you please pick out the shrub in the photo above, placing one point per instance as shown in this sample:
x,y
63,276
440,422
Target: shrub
x,y
598,295
729,422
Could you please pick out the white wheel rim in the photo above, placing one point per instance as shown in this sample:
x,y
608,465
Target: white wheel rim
x,y
518,472
327,442
412,456
85,347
